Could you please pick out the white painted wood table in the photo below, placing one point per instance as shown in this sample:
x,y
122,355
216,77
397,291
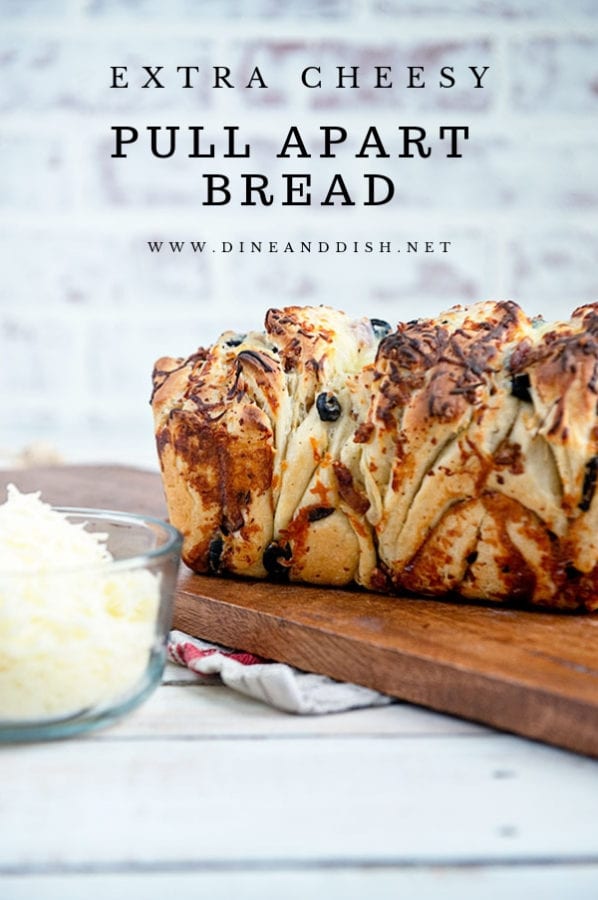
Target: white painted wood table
x,y
202,792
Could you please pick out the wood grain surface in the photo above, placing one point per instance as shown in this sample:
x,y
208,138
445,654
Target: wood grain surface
x,y
531,673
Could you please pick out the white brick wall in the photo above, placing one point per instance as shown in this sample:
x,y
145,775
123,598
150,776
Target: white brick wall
x,y
85,308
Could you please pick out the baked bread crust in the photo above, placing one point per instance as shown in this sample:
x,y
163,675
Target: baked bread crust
x,y
451,456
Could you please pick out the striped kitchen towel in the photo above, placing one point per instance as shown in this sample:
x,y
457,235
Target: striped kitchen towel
x,y
276,684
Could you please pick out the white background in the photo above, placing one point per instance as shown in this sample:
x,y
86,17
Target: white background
x,y
85,309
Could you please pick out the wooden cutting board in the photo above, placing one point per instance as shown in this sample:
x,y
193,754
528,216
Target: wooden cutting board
x,y
532,673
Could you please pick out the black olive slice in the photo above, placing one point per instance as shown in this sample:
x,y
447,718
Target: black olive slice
x,y
589,484
215,553
319,512
520,387
273,554
380,328
329,409
236,340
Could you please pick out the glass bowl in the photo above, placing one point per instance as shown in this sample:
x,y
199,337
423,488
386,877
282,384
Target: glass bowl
x,y
81,646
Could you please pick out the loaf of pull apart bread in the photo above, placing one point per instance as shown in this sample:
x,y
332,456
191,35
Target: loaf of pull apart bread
x,y
453,456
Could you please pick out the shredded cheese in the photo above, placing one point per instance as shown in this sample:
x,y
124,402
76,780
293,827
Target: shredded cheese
x,y
74,632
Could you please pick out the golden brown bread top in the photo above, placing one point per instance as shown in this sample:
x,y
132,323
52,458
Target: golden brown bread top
x,y
452,455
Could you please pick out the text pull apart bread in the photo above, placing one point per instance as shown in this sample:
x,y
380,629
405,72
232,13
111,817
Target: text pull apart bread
x,y
452,456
